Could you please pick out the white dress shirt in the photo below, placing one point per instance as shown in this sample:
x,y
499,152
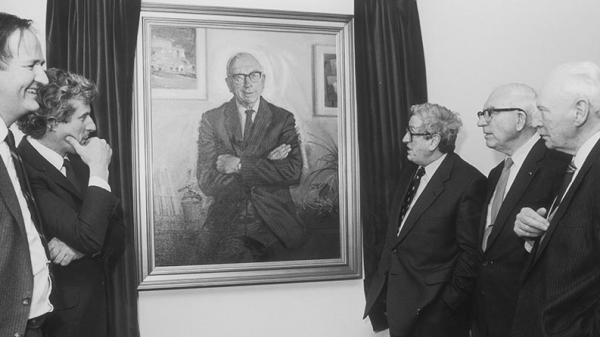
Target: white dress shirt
x,y
429,172
518,157
242,113
42,285
57,161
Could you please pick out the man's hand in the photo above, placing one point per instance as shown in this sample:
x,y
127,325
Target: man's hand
x,y
531,224
227,163
62,254
96,153
280,152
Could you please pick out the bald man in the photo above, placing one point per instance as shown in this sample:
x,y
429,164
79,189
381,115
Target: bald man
x,y
560,295
529,176
248,157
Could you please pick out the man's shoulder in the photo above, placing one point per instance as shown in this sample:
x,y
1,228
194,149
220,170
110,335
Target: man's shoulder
x,y
463,169
218,112
276,110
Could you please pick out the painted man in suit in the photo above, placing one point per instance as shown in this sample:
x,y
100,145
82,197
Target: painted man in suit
x,y
248,157
24,273
68,170
560,295
529,175
429,263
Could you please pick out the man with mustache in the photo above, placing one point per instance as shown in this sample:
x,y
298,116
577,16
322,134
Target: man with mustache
x,y
68,170
529,175
429,262
248,157
24,273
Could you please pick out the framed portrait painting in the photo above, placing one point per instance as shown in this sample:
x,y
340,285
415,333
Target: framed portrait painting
x,y
238,179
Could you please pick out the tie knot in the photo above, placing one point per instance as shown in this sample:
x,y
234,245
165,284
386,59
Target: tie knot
x,y
249,113
508,162
10,140
571,168
420,172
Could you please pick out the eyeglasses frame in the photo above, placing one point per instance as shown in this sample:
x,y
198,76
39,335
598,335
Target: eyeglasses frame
x,y
234,77
490,112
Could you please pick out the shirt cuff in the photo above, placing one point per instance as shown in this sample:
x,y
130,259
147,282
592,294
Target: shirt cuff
x,y
529,245
99,182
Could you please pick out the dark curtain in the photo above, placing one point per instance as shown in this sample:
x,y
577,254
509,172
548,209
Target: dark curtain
x,y
97,39
390,77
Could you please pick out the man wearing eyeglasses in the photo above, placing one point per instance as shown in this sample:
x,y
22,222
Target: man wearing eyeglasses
x,y
428,266
248,157
527,176
560,293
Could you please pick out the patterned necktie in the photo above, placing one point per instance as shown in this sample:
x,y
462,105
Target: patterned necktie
x,y
410,194
70,174
497,201
25,187
563,189
248,124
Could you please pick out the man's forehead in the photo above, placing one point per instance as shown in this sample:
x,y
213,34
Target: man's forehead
x,y
245,61
24,43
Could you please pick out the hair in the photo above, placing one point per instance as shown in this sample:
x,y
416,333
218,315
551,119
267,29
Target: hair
x,y
581,81
8,25
55,101
518,95
439,120
236,57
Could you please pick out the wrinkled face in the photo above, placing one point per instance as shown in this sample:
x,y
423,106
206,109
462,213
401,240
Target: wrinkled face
x,y
248,91
80,126
419,147
501,130
21,75
555,120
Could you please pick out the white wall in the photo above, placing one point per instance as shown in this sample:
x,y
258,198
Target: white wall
x,y
471,46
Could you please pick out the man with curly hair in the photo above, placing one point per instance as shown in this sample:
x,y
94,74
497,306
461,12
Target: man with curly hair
x,y
429,262
68,170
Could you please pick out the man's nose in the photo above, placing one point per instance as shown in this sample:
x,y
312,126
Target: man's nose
x,y
40,74
91,126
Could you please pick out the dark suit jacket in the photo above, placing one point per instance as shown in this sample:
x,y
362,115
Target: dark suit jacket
x,y
560,295
264,182
434,259
87,219
16,277
535,186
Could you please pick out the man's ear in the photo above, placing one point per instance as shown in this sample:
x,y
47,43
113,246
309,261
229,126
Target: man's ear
x,y
434,142
229,84
582,111
51,124
521,120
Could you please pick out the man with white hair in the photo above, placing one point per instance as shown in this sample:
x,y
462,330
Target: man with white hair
x,y
560,294
529,176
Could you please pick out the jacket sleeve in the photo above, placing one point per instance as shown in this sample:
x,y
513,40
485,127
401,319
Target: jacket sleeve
x,y
466,268
84,230
284,172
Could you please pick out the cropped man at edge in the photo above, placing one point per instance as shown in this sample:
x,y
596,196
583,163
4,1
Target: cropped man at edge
x,y
529,176
68,170
560,293
429,263
25,284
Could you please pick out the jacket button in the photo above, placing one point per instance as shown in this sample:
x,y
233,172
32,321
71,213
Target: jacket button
x,y
26,301
17,334
395,251
491,261
418,311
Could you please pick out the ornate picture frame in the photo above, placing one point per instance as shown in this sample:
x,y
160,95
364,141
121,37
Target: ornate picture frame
x,y
180,230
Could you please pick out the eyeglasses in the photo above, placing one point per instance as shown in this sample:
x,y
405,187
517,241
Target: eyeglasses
x,y
412,134
487,114
254,76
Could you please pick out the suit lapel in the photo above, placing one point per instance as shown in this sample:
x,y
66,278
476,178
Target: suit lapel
x,y
433,189
491,186
233,127
36,161
7,191
564,205
517,189
261,123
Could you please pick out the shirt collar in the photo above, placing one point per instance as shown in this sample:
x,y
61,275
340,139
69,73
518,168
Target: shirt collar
x,y
518,157
585,150
50,155
3,130
433,166
242,109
